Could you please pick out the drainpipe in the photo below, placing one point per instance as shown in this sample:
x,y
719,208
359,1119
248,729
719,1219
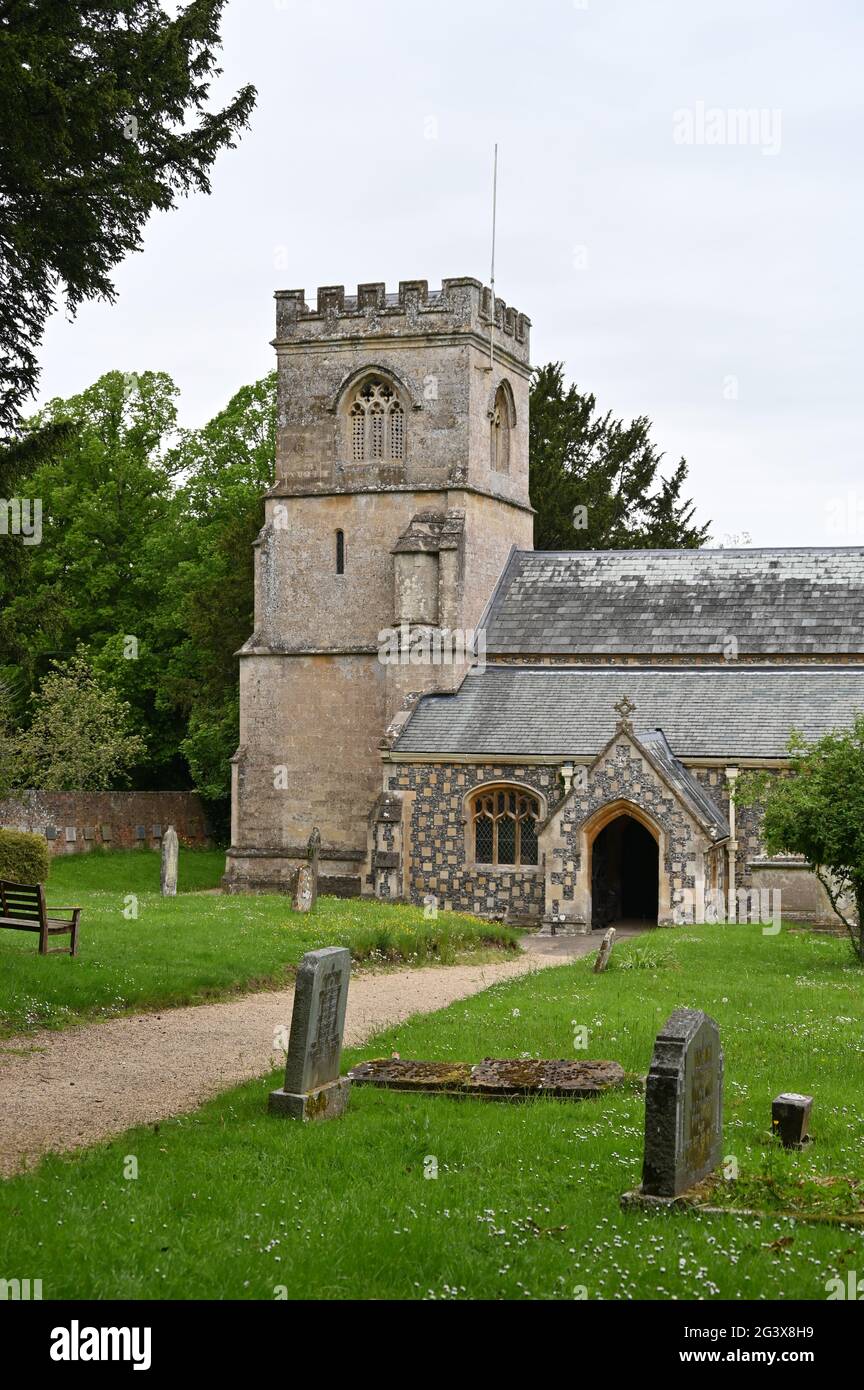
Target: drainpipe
x,y
732,847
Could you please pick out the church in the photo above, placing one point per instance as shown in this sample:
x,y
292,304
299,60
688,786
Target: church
x,y
550,739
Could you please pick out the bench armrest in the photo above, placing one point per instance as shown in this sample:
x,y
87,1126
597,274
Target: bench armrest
x,y
49,908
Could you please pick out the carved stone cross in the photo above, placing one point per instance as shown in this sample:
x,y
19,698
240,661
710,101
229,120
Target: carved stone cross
x,y
625,708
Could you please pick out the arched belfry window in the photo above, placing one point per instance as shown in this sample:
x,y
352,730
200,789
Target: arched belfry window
x,y
377,422
501,423
503,826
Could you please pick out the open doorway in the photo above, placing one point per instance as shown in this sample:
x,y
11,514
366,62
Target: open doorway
x,y
625,874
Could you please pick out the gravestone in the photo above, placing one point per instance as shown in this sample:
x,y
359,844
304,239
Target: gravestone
x,y
494,1078
313,850
313,1088
790,1119
304,890
605,952
170,856
683,1105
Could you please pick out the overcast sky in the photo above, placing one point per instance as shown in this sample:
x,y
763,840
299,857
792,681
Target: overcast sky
x,y
683,264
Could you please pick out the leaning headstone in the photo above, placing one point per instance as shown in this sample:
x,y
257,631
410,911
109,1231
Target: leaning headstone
x,y
313,1088
683,1106
304,890
605,952
790,1119
170,857
313,850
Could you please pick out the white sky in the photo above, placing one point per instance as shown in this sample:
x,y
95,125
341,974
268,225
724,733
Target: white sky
x,y
666,276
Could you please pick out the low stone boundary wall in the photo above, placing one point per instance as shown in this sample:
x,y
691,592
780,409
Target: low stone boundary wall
x,y
75,822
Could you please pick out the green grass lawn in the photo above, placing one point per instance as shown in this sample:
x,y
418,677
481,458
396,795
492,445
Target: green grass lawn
x,y
184,949
230,1202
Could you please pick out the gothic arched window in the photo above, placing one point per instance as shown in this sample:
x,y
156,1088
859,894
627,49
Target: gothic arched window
x,y
504,826
501,420
377,422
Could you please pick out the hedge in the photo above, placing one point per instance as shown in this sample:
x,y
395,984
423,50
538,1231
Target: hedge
x,y
24,858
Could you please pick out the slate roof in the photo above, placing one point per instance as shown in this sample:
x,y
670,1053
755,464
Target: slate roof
x,y
722,711
691,792
796,601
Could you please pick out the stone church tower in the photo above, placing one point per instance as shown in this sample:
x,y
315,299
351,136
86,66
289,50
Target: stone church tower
x,y
401,486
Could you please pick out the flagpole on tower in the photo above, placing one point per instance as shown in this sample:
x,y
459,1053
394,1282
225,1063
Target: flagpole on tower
x,y
494,228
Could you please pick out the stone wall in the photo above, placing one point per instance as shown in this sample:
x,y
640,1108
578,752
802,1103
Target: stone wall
x,y
75,822
438,863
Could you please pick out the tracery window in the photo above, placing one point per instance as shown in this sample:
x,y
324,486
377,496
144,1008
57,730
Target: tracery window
x,y
377,423
504,826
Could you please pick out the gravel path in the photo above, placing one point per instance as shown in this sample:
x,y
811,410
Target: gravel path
x,y
62,1091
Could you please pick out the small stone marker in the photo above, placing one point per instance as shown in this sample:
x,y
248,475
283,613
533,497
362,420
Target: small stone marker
x,y
683,1106
304,890
313,849
170,856
605,952
313,1088
790,1119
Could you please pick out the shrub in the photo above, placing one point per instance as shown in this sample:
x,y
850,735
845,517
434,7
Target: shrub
x,y
24,858
646,958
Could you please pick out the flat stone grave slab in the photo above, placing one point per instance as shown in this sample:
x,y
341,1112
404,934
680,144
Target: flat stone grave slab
x,y
494,1077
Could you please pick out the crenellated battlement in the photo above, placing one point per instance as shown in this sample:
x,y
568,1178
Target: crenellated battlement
x,y
460,306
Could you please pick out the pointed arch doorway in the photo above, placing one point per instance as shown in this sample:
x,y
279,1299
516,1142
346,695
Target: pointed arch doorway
x,y
624,862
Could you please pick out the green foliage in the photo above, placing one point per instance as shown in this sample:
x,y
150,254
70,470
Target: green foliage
x,y
24,858
580,459
80,737
7,743
644,958
147,560
817,811
106,116
209,595
104,492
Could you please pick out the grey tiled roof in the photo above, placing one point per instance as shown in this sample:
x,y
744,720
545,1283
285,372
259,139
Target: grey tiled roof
x,y
795,601
685,784
709,711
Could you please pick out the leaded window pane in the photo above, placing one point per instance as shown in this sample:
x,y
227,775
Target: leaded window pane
x,y
506,840
483,840
528,840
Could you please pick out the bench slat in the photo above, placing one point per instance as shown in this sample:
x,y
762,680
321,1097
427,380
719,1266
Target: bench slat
x,y
23,908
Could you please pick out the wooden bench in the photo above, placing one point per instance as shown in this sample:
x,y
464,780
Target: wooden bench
x,y
23,908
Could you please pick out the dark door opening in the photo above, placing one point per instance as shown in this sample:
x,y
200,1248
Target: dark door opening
x,y
625,867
